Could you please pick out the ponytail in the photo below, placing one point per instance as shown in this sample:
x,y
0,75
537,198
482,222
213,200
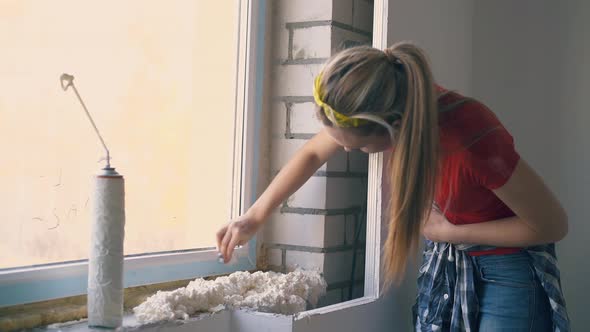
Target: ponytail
x,y
414,163
384,87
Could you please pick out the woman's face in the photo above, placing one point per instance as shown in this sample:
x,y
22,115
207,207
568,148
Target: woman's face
x,y
367,144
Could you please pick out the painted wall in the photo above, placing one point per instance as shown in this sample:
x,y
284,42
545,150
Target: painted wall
x,y
530,65
443,29
526,60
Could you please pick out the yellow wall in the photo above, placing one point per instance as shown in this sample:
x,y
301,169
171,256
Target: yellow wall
x,y
159,81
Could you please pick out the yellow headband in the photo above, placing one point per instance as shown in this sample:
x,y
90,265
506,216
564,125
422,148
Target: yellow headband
x,y
336,118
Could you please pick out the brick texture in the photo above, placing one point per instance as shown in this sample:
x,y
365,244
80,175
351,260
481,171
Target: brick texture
x,y
316,226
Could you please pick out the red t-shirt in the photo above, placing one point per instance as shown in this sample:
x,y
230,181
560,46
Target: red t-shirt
x,y
477,156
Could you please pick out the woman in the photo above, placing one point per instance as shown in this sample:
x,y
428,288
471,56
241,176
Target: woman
x,y
489,220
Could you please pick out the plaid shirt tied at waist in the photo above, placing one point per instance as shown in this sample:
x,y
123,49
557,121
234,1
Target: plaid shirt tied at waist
x,y
446,287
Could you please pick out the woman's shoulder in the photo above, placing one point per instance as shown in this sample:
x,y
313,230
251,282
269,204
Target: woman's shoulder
x,y
473,136
464,120
454,105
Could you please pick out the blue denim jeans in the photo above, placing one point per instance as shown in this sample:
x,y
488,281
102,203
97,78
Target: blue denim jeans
x,y
510,296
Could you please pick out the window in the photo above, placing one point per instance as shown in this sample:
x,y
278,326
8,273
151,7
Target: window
x,y
373,311
168,86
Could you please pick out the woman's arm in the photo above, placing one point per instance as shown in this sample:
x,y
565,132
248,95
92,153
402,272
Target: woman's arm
x,y
295,173
291,177
539,219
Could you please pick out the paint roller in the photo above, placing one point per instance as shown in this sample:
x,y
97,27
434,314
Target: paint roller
x,y
105,261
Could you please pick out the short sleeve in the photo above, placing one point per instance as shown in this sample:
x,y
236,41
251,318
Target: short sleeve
x,y
492,158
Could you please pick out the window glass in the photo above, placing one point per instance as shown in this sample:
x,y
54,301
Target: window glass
x,y
159,80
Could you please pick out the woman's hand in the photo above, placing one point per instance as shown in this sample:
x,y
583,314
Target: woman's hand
x,y
292,176
439,229
236,232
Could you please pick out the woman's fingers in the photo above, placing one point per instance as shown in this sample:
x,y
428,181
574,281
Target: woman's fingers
x,y
225,243
234,234
235,238
220,234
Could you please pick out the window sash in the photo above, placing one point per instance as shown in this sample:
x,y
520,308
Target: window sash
x,y
315,320
50,281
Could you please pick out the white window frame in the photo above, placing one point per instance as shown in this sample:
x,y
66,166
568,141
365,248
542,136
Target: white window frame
x,y
374,311
368,312
52,281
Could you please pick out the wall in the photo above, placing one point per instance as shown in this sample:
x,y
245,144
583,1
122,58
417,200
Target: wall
x,y
315,227
530,66
574,188
443,29
525,60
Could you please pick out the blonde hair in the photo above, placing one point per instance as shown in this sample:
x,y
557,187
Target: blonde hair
x,y
390,85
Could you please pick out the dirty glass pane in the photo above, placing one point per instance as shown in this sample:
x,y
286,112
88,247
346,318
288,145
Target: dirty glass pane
x,y
160,85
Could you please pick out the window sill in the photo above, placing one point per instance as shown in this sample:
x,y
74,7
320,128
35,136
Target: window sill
x,y
130,324
69,309
69,314
224,321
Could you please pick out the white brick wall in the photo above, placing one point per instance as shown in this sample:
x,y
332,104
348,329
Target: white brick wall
x,y
303,118
358,161
274,257
295,80
278,120
339,36
342,11
310,230
311,195
282,150
306,260
362,17
297,229
280,41
335,231
303,10
321,234
338,163
336,266
350,227
345,192
312,48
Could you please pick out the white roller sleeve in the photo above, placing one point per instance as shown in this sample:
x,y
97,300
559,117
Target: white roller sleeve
x,y
105,268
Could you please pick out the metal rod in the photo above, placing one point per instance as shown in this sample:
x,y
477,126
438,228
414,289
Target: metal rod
x,y
70,82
